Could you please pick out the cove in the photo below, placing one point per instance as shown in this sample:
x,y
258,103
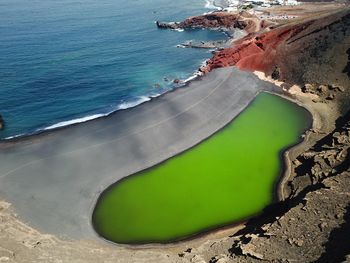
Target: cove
x,y
224,179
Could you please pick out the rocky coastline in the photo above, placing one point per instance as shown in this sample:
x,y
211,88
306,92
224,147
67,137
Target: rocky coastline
x,y
219,21
308,59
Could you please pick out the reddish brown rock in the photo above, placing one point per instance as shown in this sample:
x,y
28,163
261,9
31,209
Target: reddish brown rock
x,y
295,49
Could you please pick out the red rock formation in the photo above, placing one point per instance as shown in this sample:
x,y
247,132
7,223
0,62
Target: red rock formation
x,y
290,47
256,52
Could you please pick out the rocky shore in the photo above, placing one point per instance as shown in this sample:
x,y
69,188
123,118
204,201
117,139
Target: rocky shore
x,y
220,21
220,44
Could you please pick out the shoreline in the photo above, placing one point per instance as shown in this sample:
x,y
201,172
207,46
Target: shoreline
x,y
323,119
27,160
198,237
183,83
231,230
123,106
287,155
202,239
238,224
285,174
220,231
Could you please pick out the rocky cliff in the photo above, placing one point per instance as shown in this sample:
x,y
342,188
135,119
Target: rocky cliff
x,y
295,51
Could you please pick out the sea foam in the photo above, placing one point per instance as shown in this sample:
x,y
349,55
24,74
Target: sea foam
x,y
74,121
131,104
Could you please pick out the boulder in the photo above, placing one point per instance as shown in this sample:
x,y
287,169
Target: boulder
x,y
2,123
167,25
276,74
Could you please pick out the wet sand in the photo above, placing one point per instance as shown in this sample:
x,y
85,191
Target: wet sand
x,y
54,179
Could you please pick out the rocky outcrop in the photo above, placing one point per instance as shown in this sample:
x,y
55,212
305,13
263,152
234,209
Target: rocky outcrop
x,y
205,44
347,67
324,93
220,20
168,25
328,157
2,123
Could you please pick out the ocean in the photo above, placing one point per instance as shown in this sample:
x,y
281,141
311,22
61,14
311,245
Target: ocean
x,y
68,61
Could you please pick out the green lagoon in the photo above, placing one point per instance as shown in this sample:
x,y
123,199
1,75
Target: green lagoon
x,y
225,179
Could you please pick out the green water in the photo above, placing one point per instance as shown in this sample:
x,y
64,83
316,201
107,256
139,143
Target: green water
x,y
224,179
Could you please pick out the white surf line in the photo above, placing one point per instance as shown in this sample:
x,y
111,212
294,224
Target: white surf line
x,y
118,138
161,94
105,115
147,110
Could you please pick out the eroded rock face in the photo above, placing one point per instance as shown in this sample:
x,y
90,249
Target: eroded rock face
x,y
324,93
328,157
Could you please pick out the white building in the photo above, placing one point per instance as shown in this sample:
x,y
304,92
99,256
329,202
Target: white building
x,y
292,2
288,2
233,5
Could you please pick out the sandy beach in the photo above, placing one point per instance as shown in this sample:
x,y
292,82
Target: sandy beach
x,y
64,171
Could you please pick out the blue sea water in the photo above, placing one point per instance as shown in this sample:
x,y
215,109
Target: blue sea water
x,y
65,61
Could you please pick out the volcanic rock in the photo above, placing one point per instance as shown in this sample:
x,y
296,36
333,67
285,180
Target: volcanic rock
x,y
2,123
220,20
